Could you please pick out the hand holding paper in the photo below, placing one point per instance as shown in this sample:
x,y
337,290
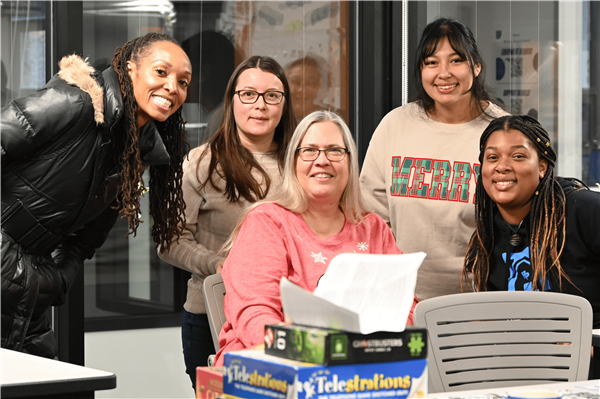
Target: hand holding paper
x,y
361,293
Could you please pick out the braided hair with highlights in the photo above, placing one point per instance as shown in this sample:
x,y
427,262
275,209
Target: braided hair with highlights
x,y
166,196
547,212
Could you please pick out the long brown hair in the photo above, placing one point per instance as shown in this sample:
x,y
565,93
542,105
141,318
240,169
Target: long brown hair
x,y
166,196
547,213
234,161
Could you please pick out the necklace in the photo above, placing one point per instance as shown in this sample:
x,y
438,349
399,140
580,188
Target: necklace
x,y
515,238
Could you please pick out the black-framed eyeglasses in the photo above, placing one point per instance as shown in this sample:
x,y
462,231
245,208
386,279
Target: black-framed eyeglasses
x,y
334,154
271,97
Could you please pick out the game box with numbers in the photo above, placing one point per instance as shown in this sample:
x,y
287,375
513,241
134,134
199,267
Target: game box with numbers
x,y
331,347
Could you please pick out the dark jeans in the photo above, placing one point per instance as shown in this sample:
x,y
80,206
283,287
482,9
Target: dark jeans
x,y
197,342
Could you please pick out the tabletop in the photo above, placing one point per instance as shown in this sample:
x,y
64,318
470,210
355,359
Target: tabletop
x,y
569,390
25,375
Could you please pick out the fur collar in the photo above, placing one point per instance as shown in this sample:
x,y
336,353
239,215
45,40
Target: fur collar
x,y
76,71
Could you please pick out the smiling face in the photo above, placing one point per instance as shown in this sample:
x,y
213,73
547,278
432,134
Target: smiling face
x,y
160,81
322,180
447,77
256,123
511,172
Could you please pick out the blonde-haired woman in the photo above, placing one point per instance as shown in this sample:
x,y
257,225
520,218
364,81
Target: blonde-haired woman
x,y
317,214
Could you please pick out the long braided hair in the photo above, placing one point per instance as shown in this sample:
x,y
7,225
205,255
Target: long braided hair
x,y
547,213
166,196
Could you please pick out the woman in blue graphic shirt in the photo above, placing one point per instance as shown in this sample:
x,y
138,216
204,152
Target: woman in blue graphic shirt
x,y
534,231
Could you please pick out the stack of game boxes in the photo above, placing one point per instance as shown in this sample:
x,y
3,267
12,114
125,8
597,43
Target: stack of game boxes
x,y
308,362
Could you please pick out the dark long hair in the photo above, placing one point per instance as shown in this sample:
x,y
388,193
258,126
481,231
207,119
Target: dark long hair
x,y
547,213
166,196
462,41
228,153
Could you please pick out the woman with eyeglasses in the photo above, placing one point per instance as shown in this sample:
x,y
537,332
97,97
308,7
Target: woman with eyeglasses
x,y
317,214
240,164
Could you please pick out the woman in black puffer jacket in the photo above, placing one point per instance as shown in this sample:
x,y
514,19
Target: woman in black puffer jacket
x,y
73,154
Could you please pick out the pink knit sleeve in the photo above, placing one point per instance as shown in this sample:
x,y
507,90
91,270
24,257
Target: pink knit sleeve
x,y
252,272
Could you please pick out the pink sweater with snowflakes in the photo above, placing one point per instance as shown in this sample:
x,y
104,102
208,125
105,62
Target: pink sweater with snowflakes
x,y
273,243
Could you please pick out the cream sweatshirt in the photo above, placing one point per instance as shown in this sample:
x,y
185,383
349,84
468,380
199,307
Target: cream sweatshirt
x,y
419,176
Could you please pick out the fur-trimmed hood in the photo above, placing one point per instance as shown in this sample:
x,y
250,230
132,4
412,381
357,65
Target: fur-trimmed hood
x,y
76,71
108,104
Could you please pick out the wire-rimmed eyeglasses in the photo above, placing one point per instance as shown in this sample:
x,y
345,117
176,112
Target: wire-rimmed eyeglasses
x,y
271,97
334,154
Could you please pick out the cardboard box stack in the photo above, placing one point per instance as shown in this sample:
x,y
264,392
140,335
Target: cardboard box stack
x,y
334,352
305,363
209,382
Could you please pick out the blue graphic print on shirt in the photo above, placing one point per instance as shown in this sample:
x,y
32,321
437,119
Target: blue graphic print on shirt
x,y
520,272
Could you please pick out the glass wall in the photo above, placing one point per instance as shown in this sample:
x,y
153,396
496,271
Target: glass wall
x,y
590,82
23,57
542,60
126,280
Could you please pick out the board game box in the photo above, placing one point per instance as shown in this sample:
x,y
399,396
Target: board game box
x,y
209,382
252,373
331,347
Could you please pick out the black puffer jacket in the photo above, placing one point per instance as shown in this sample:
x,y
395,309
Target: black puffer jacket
x,y
58,162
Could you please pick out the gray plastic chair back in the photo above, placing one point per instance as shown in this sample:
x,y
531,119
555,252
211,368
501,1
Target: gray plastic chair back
x,y
500,339
214,295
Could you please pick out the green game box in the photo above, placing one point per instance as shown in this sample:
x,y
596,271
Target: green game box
x,y
331,347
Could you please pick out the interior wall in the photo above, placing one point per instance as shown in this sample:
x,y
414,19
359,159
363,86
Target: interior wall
x,y
528,29
148,363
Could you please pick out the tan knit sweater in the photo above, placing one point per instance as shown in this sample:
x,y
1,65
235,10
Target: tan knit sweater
x,y
210,219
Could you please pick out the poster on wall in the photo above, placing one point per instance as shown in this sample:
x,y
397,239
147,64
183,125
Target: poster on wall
x,y
307,39
516,77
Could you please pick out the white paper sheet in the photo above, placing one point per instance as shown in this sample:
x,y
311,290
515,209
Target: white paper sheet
x,y
361,293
